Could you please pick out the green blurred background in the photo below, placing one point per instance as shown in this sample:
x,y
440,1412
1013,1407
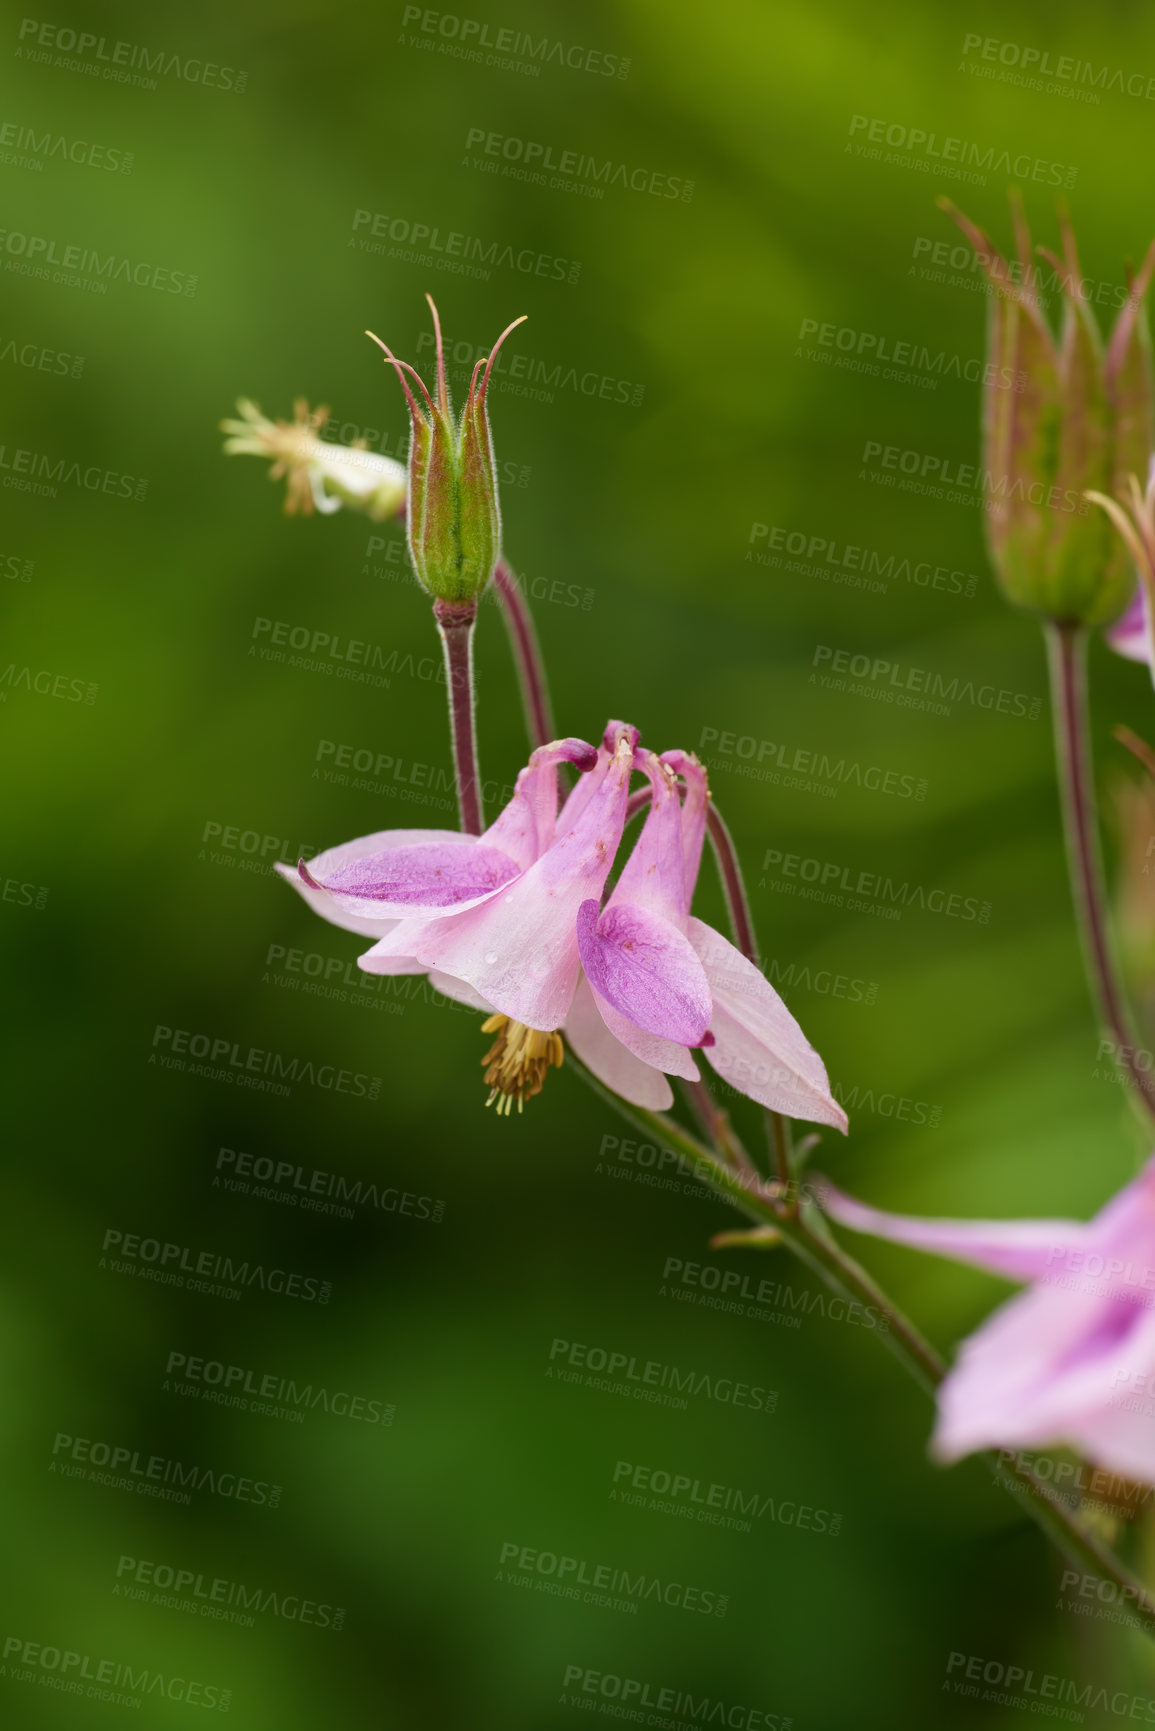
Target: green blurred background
x,y
547,1231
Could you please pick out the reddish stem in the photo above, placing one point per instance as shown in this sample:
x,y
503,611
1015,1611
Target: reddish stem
x,y
455,620
526,654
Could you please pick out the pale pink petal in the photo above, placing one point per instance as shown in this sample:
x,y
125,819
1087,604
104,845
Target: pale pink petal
x,y
519,948
1050,1369
426,880
662,1054
333,858
643,966
621,1071
1130,636
760,1049
460,992
1017,1249
525,828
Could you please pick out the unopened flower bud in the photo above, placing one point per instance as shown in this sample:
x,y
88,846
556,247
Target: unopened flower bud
x,y
320,476
1061,416
453,516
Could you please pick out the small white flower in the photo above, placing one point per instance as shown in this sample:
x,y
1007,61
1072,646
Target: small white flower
x,y
320,476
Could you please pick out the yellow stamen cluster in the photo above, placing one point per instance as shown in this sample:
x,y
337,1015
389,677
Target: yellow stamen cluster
x,y
292,444
518,1061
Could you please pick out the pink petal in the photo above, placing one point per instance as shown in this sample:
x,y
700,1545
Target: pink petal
x,y
643,966
694,807
429,878
519,949
526,826
1130,636
653,877
760,1049
611,1063
660,1054
372,925
1017,1249
1049,1369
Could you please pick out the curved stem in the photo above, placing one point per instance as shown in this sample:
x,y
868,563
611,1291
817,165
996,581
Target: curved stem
x,y
1067,661
814,1245
527,656
742,924
455,621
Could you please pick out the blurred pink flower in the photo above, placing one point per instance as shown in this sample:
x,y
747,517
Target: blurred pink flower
x,y
1068,1361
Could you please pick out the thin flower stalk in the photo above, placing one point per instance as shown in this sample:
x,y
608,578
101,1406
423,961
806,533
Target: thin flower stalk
x,y
1067,650
455,623
841,1272
526,655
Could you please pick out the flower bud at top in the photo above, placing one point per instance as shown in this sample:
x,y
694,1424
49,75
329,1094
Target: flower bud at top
x,y
1061,416
320,476
453,517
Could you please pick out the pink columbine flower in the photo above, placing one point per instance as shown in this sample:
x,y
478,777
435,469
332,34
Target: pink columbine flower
x,y
1068,1360
512,923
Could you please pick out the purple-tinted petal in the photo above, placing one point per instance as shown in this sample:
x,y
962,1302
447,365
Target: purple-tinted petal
x,y
610,1061
372,924
1017,1249
643,966
519,948
759,1047
1130,636
426,879
526,826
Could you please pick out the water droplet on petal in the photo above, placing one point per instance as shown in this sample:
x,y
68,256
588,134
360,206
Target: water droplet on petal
x,y
490,960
